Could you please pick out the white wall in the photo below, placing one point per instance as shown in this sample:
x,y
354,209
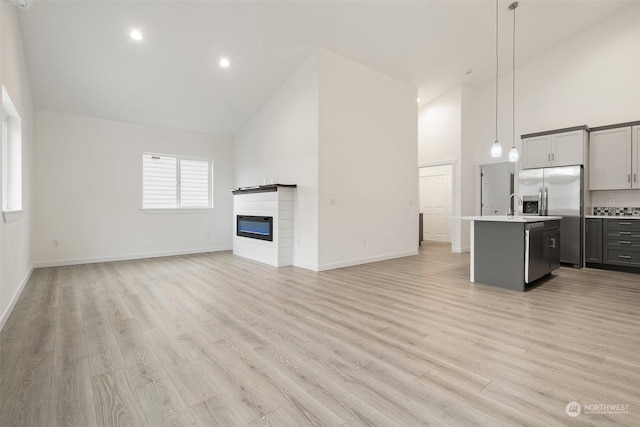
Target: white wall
x,y
88,187
621,198
281,143
368,191
15,251
440,129
468,170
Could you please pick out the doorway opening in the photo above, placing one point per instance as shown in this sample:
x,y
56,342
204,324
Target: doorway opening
x,y
436,202
497,183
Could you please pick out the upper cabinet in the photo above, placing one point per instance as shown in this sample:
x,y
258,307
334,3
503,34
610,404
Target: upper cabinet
x,y
614,155
565,147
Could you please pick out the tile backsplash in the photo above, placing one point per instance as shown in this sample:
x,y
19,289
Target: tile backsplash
x,y
612,211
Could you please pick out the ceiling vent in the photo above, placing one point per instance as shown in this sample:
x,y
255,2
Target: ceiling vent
x,y
22,4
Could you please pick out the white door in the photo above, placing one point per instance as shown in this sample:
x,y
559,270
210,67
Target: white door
x,y
497,185
435,203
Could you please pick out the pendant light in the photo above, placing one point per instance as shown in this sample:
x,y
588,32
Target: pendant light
x,y
513,153
496,148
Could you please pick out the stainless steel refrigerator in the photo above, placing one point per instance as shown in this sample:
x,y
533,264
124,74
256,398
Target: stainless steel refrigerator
x,y
559,191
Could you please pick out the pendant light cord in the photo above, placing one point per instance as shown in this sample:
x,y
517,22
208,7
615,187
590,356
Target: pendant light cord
x,y
513,91
496,70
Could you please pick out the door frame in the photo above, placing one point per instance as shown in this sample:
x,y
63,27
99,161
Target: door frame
x,y
453,202
512,186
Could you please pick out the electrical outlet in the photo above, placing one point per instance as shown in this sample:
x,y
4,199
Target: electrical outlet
x,y
612,202
332,202
364,242
55,243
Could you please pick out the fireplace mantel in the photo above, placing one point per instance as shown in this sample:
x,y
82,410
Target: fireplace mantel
x,y
262,188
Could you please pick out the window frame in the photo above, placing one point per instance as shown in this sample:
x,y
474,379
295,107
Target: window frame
x,y
12,182
179,208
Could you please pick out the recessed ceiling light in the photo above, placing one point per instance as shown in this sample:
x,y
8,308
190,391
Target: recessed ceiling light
x,y
136,35
224,62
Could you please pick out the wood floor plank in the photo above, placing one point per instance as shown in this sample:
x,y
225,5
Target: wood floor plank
x,y
115,401
216,411
332,394
192,383
251,390
163,405
143,366
41,335
27,403
70,344
8,360
102,346
71,400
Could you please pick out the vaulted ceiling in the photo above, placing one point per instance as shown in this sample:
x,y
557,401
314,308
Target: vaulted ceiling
x,y
81,59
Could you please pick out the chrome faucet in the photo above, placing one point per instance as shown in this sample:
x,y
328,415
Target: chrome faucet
x,y
509,211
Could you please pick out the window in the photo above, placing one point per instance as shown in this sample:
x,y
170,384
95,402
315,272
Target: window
x,y
11,156
176,182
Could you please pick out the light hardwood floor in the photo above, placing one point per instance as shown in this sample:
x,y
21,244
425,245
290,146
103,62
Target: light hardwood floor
x,y
214,339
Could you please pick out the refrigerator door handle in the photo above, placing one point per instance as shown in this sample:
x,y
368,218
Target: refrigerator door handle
x,y
546,200
540,207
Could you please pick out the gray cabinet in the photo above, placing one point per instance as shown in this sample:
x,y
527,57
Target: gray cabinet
x,y
554,148
593,240
621,244
613,243
614,158
610,159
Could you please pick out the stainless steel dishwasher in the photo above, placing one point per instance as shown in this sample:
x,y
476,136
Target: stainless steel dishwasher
x,y
542,249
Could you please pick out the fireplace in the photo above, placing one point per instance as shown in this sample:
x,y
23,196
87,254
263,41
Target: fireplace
x,y
255,227
263,222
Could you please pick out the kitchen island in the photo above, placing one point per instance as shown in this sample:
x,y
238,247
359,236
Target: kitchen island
x,y
512,252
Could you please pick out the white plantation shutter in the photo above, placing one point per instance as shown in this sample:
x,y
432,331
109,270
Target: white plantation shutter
x,y
194,183
159,182
171,182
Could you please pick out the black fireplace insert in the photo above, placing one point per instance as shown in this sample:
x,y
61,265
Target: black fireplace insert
x,y
255,227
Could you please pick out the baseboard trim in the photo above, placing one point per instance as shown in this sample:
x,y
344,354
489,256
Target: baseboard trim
x,y
79,261
332,266
305,265
14,300
460,250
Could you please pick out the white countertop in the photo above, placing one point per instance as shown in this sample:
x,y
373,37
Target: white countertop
x,y
504,218
612,217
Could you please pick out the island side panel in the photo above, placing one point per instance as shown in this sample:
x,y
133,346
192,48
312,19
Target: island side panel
x,y
499,254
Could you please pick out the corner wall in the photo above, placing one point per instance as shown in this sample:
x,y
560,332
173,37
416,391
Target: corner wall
x,y
88,187
346,135
445,137
15,249
280,143
368,181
